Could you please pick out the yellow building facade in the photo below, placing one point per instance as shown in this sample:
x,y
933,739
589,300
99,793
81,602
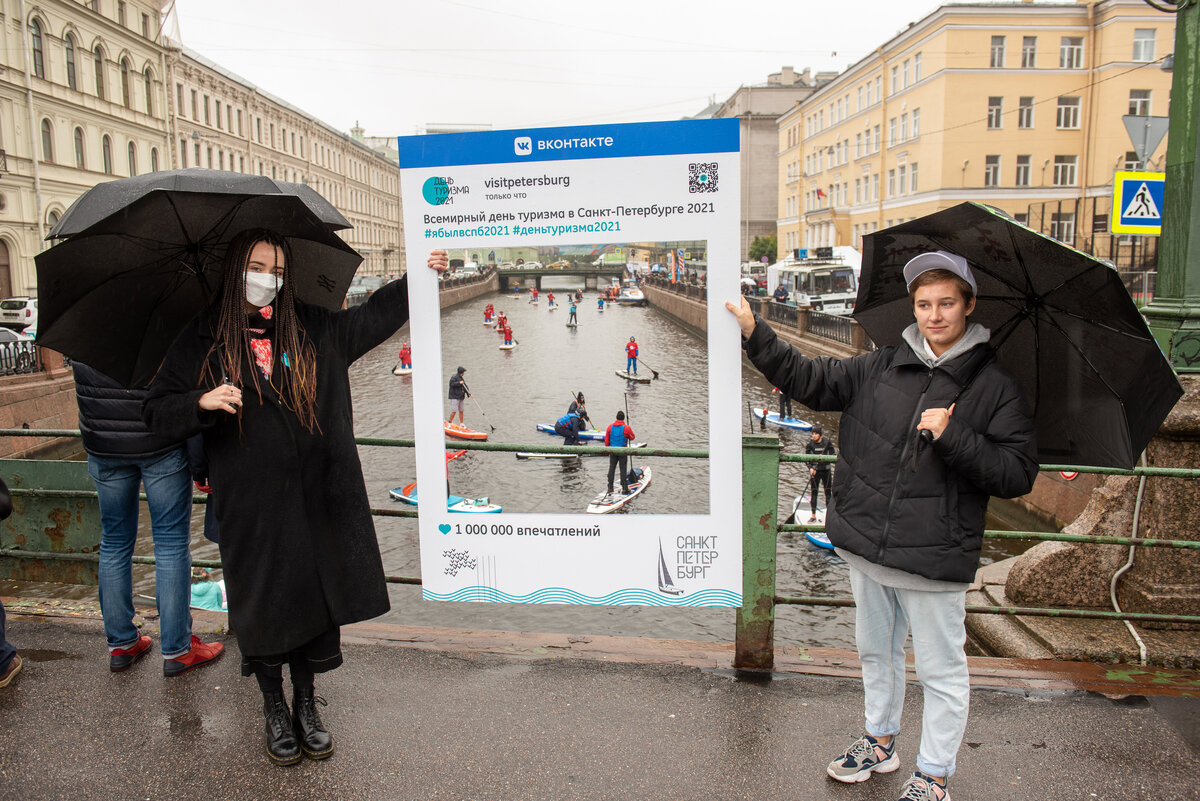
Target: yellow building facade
x,y
1018,106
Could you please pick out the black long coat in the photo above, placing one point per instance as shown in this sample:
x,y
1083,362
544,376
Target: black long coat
x,y
298,544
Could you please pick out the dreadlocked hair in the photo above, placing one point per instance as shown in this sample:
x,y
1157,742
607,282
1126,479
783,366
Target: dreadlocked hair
x,y
298,389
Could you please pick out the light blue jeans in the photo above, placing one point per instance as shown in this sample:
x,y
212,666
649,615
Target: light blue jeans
x,y
168,485
937,619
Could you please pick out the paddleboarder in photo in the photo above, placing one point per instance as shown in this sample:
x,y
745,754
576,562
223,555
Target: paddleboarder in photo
x,y
572,318
458,394
818,472
533,295
930,428
405,356
568,427
618,435
487,313
550,299
600,303
501,321
631,356
577,407
508,339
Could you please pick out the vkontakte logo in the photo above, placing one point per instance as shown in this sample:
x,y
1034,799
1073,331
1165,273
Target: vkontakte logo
x,y
522,146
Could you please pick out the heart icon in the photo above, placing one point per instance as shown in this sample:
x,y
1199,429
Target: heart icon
x,y
444,528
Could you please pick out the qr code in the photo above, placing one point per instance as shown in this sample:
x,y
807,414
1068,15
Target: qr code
x,y
702,177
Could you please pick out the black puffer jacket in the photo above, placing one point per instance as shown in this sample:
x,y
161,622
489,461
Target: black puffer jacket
x,y
924,516
110,418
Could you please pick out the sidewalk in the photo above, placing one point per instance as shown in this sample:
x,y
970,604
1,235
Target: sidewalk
x,y
450,714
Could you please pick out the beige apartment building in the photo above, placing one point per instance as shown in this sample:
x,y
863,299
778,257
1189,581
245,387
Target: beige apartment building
x,y
1015,105
90,91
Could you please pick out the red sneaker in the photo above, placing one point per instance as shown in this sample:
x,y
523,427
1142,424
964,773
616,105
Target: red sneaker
x,y
201,654
123,658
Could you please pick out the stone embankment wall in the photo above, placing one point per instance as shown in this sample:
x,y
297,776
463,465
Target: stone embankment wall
x,y
458,293
44,399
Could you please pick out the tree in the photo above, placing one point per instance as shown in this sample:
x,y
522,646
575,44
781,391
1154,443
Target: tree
x,y
763,246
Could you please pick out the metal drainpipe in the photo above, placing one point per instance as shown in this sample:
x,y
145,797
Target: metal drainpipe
x,y
37,177
882,128
1084,178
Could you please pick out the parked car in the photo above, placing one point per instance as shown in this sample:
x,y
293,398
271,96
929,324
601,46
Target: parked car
x,y
19,313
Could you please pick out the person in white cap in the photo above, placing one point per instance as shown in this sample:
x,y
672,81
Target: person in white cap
x,y
929,430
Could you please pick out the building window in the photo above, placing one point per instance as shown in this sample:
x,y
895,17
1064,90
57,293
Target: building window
x,y
121,13
183,152
217,110
858,190
1143,44
154,159
1023,170
125,101
875,186
904,72
891,184
904,127
895,80
207,116
258,129
1062,226
78,136
132,153
1064,170
195,106
149,78
1029,52
196,152
997,59
106,152
901,178
1025,113
878,88
995,113
1139,102
916,123
916,67
47,141
145,26
240,122
39,56
991,171
912,178
1070,53
72,70
891,131
859,107
98,64
208,152
179,98
1068,112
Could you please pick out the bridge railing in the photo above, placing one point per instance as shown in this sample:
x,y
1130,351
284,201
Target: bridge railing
x,y
54,532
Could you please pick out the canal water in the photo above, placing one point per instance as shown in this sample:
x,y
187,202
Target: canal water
x,y
533,383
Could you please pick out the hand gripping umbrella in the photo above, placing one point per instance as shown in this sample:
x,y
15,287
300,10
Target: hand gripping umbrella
x,y
117,293
1062,324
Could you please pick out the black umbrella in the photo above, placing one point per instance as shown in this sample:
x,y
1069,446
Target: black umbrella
x,y
116,294
104,199
1062,323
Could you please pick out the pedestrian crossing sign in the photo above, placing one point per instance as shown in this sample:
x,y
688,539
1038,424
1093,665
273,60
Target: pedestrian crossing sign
x,y
1138,203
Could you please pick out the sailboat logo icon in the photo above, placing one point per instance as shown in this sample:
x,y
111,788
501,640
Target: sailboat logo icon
x,y
665,585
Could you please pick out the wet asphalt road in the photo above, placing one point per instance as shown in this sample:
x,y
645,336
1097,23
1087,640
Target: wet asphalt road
x,y
422,723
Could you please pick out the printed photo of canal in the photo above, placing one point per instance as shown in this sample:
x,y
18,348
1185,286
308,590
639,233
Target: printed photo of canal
x,y
553,358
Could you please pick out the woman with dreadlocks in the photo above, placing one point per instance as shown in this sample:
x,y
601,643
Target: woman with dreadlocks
x,y
263,377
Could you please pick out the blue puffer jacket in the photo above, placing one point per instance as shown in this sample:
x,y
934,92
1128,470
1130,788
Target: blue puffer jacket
x,y
922,514
110,418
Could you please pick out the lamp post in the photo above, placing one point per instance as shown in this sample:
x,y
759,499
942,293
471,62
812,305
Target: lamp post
x,y
1174,314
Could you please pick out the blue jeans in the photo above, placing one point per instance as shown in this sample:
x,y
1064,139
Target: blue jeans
x,y
938,620
631,365
7,652
169,495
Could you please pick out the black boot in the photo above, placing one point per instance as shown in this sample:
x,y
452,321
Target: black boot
x,y
314,740
282,746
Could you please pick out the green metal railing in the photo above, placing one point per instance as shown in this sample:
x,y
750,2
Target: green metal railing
x,y
761,458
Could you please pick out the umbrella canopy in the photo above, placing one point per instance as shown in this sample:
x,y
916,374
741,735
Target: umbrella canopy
x,y
116,294
104,199
1062,324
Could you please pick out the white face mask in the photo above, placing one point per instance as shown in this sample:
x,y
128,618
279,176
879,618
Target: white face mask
x,y
261,288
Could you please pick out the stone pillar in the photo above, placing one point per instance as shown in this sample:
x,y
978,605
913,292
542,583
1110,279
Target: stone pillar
x,y
1162,580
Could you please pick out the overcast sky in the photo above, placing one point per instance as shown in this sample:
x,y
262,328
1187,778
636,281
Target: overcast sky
x,y
397,66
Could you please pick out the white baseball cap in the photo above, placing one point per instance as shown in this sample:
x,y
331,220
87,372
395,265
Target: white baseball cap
x,y
939,260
